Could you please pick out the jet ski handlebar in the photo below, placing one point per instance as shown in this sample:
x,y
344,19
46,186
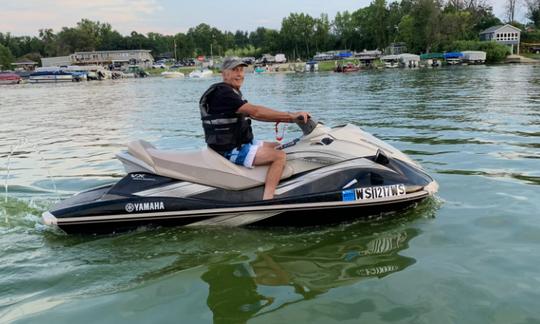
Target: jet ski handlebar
x,y
306,127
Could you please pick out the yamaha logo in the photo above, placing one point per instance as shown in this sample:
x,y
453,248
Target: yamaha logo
x,y
130,207
146,206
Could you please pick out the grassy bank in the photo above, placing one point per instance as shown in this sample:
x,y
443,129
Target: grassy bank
x,y
531,55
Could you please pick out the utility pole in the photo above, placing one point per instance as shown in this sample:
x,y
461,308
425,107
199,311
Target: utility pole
x,y
175,58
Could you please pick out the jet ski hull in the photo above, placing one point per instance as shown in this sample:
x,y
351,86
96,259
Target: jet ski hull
x,y
126,214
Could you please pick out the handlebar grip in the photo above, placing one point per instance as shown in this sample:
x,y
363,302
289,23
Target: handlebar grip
x,y
301,118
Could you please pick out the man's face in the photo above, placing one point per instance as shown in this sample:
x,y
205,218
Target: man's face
x,y
234,77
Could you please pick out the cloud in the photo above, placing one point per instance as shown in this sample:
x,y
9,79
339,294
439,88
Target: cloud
x,y
27,17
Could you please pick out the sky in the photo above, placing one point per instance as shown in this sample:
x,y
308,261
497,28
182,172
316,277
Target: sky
x,y
26,17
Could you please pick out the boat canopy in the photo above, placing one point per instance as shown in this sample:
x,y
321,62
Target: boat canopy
x,y
430,56
409,57
390,58
453,55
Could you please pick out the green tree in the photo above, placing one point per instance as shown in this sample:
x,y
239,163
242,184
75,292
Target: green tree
x,y
407,30
241,39
48,37
6,58
110,39
202,36
297,34
184,46
321,37
379,21
344,28
136,41
268,40
426,18
533,12
455,25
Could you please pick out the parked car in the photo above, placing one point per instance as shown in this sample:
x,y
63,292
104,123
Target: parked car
x,y
158,66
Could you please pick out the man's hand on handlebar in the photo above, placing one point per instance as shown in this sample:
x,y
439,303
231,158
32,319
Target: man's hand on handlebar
x,y
301,117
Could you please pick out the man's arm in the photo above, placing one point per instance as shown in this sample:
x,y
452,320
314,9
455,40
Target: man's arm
x,y
270,115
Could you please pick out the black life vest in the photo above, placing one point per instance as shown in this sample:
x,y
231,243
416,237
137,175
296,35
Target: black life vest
x,y
224,131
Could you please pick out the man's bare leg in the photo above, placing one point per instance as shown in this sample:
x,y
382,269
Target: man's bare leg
x,y
267,154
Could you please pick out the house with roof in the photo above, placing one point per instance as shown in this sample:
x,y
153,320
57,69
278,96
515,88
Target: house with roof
x,y
396,48
503,34
24,65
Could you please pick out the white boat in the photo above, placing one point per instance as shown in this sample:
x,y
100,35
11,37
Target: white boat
x,y
312,66
50,75
92,72
197,74
390,61
172,74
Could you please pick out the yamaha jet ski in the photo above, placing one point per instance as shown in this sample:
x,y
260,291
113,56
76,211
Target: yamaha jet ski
x,y
331,175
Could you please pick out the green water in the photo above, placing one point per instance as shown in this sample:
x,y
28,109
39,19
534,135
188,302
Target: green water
x,y
471,255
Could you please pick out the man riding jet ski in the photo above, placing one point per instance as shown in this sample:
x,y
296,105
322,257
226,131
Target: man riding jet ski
x,y
331,175
228,131
322,177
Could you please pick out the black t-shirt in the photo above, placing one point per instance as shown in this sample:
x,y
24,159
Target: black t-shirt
x,y
225,99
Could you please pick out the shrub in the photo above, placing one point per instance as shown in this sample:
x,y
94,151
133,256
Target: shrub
x,y
6,58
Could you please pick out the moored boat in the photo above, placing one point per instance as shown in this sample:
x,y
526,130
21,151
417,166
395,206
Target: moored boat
x,y
172,74
9,78
197,74
50,75
349,67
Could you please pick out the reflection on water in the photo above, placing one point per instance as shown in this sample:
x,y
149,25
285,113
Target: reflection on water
x,y
299,271
238,291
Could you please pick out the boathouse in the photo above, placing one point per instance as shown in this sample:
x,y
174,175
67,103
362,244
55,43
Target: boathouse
x,y
367,58
503,34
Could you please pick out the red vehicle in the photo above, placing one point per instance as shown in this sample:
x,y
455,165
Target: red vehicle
x,y
9,78
349,67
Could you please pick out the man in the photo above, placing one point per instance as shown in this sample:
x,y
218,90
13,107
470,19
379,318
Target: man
x,y
228,131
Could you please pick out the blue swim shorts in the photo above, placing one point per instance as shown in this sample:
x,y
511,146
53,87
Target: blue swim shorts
x,y
245,155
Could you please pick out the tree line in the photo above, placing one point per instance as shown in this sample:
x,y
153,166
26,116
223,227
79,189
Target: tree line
x,y
423,25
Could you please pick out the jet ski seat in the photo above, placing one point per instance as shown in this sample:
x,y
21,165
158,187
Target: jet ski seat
x,y
204,166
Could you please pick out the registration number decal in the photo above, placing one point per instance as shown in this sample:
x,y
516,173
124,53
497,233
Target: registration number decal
x,y
374,192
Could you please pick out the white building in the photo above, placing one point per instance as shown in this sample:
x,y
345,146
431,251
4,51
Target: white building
x,y
55,61
142,58
503,34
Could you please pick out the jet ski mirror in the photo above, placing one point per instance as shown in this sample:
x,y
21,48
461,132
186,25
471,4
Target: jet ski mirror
x,y
307,127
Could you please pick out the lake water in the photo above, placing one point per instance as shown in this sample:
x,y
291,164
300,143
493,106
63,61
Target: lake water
x,y
471,255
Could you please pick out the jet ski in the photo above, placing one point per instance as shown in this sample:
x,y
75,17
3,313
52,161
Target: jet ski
x,y
331,175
